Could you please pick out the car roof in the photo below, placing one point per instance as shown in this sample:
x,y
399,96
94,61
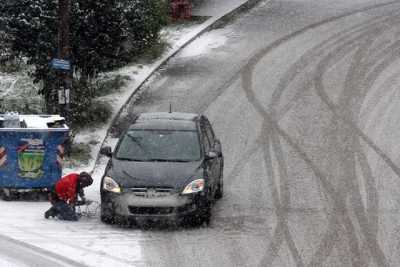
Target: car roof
x,y
166,121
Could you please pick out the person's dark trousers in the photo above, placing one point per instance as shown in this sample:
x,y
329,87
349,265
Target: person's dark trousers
x,y
63,211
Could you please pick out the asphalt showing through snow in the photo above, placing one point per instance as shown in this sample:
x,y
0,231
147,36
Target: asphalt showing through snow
x,y
309,180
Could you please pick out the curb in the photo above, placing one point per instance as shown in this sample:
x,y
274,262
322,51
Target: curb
x,y
211,23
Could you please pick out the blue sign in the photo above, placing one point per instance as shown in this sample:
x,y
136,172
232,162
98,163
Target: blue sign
x,y
60,64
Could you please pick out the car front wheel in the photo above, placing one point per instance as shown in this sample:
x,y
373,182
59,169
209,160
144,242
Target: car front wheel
x,y
202,216
106,216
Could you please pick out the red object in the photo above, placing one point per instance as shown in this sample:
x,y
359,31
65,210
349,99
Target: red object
x,y
66,187
181,9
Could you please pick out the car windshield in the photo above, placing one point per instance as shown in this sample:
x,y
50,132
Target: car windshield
x,y
159,145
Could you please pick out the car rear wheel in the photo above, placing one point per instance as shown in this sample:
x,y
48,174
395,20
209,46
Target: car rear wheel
x,y
220,190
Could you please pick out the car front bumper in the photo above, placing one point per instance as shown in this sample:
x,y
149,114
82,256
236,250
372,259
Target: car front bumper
x,y
172,207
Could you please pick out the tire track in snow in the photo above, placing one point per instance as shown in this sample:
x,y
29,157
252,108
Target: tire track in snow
x,y
247,86
271,127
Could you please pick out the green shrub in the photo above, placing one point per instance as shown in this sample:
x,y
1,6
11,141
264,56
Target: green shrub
x,y
86,111
105,34
10,65
89,114
152,52
108,85
80,152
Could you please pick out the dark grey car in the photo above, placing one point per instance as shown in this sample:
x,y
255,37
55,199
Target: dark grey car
x,y
165,166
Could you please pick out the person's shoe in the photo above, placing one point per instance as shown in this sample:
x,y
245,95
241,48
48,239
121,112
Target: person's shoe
x,y
49,214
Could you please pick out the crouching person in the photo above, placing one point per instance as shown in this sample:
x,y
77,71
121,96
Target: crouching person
x,y
64,197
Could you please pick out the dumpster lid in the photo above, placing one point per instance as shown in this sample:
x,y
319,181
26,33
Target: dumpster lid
x,y
38,121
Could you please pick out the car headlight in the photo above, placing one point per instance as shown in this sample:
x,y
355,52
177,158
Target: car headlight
x,y
194,187
110,185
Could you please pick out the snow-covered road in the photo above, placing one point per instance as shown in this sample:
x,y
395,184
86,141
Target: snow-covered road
x,y
303,95
22,254
88,242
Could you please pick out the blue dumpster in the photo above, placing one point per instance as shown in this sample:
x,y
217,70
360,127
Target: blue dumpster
x,y
31,150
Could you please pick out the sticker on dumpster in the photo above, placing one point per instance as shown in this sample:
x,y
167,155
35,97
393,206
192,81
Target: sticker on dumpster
x,y
60,154
3,156
31,158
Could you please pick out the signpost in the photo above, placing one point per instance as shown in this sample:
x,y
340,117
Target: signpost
x,y
65,87
60,64
63,96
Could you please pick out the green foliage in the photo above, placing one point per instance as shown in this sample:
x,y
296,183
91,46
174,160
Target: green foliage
x,y
97,34
21,105
152,52
10,66
86,111
97,113
108,85
80,153
105,34
144,19
31,27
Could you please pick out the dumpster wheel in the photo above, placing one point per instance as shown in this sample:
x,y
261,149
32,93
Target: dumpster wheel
x,y
8,194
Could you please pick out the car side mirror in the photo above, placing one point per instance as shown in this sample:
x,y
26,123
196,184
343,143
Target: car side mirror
x,y
217,147
211,155
106,151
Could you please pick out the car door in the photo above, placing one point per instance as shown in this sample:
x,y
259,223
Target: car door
x,y
216,146
212,164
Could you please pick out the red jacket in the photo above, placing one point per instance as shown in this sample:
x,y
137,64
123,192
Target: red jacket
x,y
66,188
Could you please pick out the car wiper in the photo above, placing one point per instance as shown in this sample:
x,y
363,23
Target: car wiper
x,y
169,160
129,159
180,160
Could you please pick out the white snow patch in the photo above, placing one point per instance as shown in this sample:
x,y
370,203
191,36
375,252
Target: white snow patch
x,y
9,262
88,241
205,43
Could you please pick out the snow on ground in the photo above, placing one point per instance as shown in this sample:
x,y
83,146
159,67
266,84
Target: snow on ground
x,y
205,43
7,84
88,241
9,262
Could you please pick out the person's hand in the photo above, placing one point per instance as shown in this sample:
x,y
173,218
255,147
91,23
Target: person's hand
x,y
80,202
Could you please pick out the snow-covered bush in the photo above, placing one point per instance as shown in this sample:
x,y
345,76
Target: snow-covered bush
x,y
104,34
86,111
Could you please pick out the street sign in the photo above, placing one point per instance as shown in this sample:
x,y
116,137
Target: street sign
x,y
63,96
60,64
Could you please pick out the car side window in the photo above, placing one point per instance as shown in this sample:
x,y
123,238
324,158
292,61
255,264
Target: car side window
x,y
206,140
209,132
